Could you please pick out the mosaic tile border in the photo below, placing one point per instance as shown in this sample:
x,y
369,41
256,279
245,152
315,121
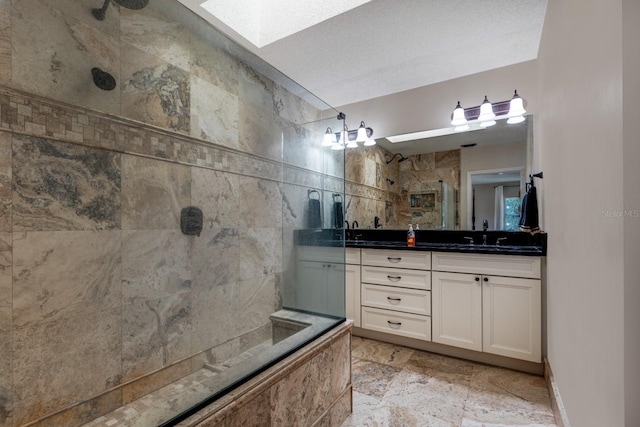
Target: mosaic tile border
x,y
33,115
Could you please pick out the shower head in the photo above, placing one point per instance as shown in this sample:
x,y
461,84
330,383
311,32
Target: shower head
x,y
129,4
402,158
102,79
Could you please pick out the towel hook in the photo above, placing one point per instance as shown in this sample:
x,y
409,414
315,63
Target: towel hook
x,y
310,192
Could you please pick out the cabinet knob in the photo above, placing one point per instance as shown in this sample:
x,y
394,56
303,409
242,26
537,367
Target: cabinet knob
x,y
486,279
477,279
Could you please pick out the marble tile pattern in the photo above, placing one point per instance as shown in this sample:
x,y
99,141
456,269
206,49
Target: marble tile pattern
x,y
394,385
371,194
5,182
91,188
53,51
60,186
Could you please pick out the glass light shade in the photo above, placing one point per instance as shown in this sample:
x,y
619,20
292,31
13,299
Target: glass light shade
x,y
516,106
458,118
514,120
337,146
362,133
329,138
369,142
352,144
486,111
487,123
461,128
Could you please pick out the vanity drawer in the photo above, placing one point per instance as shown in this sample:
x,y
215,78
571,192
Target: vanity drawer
x,y
397,277
394,298
490,264
333,254
352,256
393,322
420,260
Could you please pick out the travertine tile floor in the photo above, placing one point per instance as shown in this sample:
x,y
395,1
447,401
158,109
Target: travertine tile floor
x,y
398,386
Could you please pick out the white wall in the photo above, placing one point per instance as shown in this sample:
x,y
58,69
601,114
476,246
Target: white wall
x,y
490,157
631,152
430,107
579,146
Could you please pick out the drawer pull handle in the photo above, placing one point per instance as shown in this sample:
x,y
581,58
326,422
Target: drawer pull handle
x,y
394,259
394,299
394,278
394,324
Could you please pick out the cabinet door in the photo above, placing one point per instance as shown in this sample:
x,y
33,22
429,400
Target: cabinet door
x,y
512,317
311,289
336,289
456,309
352,293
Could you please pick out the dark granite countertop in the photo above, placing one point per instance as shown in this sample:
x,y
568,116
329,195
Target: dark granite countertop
x,y
512,243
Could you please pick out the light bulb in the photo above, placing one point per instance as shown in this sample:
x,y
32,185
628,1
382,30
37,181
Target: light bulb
x,y
458,118
486,111
329,138
362,133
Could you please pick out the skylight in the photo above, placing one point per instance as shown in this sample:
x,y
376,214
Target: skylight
x,y
265,21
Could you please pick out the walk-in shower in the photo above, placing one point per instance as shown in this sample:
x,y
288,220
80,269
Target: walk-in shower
x,y
149,262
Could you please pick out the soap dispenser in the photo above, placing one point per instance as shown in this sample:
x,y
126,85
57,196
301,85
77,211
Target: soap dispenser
x,y
411,236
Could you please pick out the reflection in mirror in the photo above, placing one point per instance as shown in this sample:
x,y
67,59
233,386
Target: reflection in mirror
x,y
431,184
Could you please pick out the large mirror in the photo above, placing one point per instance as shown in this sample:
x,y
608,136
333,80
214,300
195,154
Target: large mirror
x,y
469,180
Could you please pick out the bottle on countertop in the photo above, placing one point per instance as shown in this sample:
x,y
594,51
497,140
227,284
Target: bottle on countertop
x,y
411,236
417,227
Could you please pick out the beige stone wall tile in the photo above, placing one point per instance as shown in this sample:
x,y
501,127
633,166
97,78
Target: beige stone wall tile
x,y
215,258
59,186
6,380
150,31
259,125
6,285
146,385
57,274
155,333
260,252
155,264
5,42
60,362
218,194
154,91
214,114
5,182
255,301
53,53
260,203
85,412
154,193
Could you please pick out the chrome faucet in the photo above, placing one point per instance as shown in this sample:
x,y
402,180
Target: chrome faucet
x,y
376,222
500,239
470,239
485,225
355,224
347,223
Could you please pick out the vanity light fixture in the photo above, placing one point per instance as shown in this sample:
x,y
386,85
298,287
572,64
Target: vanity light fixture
x,y
516,109
348,138
329,138
487,113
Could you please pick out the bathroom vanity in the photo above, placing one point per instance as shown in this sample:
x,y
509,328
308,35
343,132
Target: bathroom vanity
x,y
477,301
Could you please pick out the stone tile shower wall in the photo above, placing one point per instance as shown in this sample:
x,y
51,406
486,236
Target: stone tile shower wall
x,y
368,194
98,286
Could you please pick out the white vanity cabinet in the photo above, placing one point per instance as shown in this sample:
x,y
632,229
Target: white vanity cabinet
x,y
352,285
320,275
489,303
396,292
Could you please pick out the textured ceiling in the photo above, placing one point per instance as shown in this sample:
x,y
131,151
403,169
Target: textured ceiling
x,y
383,46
